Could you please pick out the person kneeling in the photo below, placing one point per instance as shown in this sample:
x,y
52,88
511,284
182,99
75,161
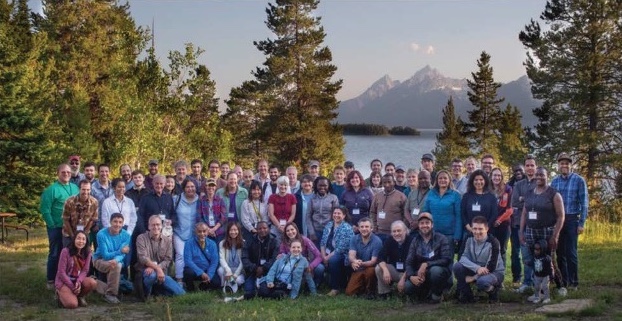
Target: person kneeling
x,y
427,264
113,244
363,254
480,263
201,260
154,256
72,284
285,275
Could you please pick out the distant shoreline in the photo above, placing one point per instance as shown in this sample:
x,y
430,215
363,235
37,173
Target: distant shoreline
x,y
378,130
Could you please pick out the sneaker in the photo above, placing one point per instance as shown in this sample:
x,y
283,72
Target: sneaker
x,y
436,299
333,293
562,292
112,299
516,284
533,298
546,301
523,288
82,302
536,300
50,285
493,296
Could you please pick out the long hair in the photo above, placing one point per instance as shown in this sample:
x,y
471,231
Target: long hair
x,y
497,189
287,241
350,176
374,174
443,171
73,250
254,184
229,242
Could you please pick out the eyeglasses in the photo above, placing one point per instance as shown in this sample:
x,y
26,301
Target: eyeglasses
x,y
74,163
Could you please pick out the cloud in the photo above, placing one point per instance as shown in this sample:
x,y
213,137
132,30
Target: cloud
x,y
429,50
414,46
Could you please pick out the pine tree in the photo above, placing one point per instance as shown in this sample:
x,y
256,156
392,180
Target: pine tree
x,y
451,141
297,91
513,140
484,119
27,157
575,65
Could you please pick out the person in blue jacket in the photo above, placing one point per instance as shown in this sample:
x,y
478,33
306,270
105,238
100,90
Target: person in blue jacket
x,y
285,275
201,260
443,202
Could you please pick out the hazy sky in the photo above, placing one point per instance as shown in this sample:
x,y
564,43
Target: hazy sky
x,y
368,39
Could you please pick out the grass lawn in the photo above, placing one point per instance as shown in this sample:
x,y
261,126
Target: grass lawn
x,y
23,295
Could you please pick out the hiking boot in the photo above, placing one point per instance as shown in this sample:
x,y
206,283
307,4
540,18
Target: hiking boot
x,y
333,293
493,296
546,301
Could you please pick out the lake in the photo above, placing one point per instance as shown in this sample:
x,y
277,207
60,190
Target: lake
x,y
400,150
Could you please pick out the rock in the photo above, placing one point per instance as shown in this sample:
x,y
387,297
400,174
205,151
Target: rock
x,y
572,305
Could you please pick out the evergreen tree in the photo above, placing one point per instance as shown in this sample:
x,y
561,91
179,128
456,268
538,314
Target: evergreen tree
x,y
484,119
575,65
513,140
297,91
451,141
27,158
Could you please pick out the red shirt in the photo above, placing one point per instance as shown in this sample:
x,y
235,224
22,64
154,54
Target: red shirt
x,y
282,205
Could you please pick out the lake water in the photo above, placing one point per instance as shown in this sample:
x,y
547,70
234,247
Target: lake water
x,y
400,150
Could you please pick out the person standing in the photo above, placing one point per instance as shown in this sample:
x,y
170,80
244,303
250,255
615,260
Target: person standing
x,y
74,164
52,204
126,174
153,171
443,202
478,201
357,198
416,199
387,207
457,178
573,190
79,213
427,162
520,190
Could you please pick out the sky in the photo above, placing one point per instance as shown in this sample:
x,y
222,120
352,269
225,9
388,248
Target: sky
x,y
368,38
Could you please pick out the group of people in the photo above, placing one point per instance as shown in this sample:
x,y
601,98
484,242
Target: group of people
x,y
278,235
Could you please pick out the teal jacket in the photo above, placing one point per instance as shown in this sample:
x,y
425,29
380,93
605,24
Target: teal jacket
x,y
53,201
240,196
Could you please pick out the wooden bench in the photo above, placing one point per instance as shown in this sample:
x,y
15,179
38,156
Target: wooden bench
x,y
16,227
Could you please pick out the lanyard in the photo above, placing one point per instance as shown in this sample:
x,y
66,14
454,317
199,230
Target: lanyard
x,y
120,208
421,200
257,210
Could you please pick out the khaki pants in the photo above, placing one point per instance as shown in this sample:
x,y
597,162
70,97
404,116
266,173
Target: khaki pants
x,y
113,275
69,300
363,281
384,288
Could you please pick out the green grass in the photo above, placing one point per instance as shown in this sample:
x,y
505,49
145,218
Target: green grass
x,y
23,295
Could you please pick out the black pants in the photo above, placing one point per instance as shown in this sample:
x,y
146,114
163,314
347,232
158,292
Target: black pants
x,y
190,277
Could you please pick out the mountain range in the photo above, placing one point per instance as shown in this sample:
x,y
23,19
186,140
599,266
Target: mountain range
x,y
419,101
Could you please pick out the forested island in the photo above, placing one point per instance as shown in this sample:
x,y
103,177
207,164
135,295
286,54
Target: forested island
x,y
378,130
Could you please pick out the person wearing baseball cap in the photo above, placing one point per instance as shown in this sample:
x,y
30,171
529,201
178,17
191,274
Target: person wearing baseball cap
x,y
349,166
427,265
74,164
314,168
573,189
427,162
400,179
153,171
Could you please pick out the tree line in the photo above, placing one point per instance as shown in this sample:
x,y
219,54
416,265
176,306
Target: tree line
x,y
377,130
82,78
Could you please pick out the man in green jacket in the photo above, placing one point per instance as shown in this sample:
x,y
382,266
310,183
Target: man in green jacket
x,y
52,203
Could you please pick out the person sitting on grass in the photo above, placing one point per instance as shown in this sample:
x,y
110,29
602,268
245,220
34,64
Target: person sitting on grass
x,y
113,244
231,269
201,260
427,265
155,254
315,273
363,256
258,256
72,283
480,263
285,275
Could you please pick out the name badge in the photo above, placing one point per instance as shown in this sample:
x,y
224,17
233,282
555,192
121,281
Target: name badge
x,y
231,215
282,222
416,212
356,211
80,227
476,208
382,215
399,265
533,215
262,262
431,255
162,217
211,221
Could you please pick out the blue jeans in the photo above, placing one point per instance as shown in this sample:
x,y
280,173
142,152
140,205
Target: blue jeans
x,y
55,239
250,287
336,272
318,275
516,249
483,282
169,287
567,255
318,235
436,279
527,264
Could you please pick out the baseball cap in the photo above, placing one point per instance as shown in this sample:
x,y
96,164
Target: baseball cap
x,y
314,163
564,156
210,181
153,162
74,157
348,164
426,216
400,168
428,156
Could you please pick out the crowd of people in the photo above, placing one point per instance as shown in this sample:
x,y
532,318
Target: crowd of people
x,y
405,231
